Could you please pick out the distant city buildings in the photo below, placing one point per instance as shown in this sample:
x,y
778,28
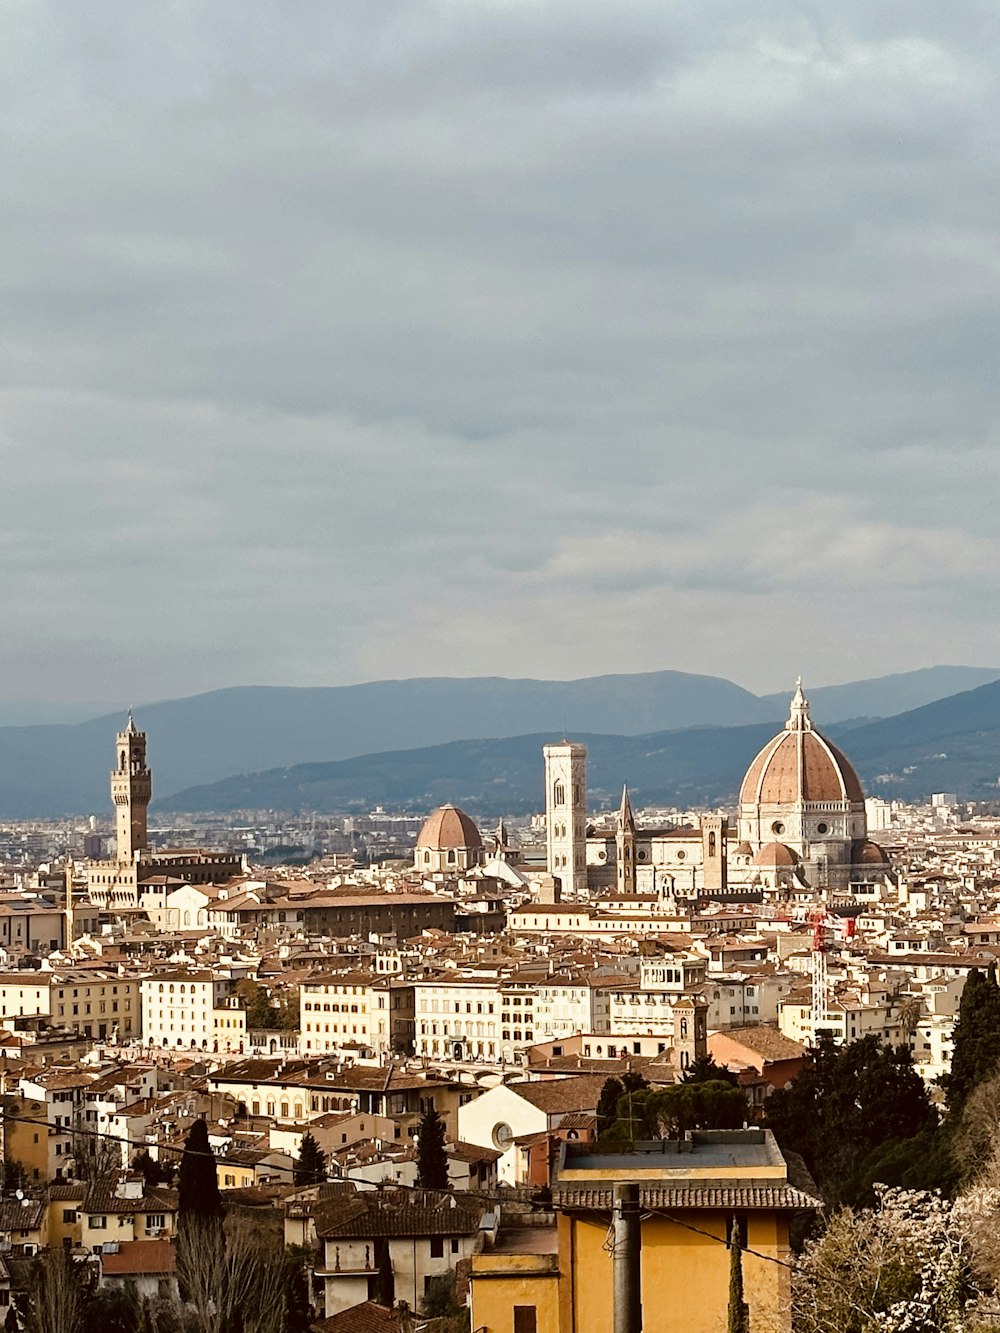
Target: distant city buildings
x,y
390,965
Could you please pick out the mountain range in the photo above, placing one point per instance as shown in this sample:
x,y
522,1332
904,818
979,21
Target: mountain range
x,y
950,745
196,742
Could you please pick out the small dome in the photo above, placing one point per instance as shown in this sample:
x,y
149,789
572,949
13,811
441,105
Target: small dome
x,y
865,853
776,856
800,765
743,849
449,827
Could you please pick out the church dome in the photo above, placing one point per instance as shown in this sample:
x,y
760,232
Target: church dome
x,y
776,856
448,828
865,853
800,766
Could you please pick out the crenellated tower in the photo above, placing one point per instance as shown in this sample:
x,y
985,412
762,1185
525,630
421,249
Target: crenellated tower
x,y
131,789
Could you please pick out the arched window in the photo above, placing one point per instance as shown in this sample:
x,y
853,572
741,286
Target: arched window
x,y
711,844
427,858
558,794
451,856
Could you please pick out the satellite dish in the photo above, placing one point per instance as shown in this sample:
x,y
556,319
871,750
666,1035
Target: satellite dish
x,y
19,1194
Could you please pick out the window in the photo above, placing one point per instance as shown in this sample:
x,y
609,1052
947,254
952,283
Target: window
x,y
155,1221
437,1247
69,1215
525,1320
98,1223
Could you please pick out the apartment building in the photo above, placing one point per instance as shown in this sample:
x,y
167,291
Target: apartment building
x,y
97,1003
194,1010
460,1017
359,1013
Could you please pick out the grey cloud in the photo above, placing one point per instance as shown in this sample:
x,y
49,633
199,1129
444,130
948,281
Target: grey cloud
x,y
332,346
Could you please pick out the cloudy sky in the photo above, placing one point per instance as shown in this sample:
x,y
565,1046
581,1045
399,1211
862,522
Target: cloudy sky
x,y
357,340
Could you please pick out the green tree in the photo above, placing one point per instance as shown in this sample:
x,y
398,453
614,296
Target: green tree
x,y
310,1166
976,1051
432,1162
149,1166
260,1012
607,1104
15,1176
848,1101
705,1070
114,1310
439,1299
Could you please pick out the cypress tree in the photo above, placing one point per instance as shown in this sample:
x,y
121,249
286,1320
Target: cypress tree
x,y
738,1314
607,1105
198,1180
310,1167
385,1282
976,1052
432,1163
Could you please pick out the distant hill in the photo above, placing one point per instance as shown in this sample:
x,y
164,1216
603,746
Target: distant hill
x,y
950,745
63,769
886,696
697,766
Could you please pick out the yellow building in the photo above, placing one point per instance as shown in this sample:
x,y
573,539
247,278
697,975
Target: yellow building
x,y
691,1194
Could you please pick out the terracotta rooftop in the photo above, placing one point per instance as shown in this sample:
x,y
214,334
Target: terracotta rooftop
x,y
554,1095
364,1318
683,1198
136,1258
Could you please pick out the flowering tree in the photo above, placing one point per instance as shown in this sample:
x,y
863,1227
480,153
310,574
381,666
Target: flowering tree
x,y
904,1266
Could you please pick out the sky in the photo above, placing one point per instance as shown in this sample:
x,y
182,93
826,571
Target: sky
x,y
352,341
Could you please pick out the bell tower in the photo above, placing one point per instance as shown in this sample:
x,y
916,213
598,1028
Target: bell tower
x,y
625,845
566,815
131,789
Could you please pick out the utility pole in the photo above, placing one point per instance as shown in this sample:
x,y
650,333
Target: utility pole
x,y
625,1259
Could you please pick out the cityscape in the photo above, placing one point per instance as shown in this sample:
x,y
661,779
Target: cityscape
x,y
437,1060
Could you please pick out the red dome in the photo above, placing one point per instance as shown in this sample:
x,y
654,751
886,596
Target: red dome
x,y
776,856
448,827
865,853
800,766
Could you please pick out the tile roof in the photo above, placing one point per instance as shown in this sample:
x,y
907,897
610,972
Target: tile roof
x,y
553,1095
139,1257
764,1040
101,1198
686,1197
364,1318
21,1214
398,1214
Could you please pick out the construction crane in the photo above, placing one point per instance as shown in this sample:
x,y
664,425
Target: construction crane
x,y
820,979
